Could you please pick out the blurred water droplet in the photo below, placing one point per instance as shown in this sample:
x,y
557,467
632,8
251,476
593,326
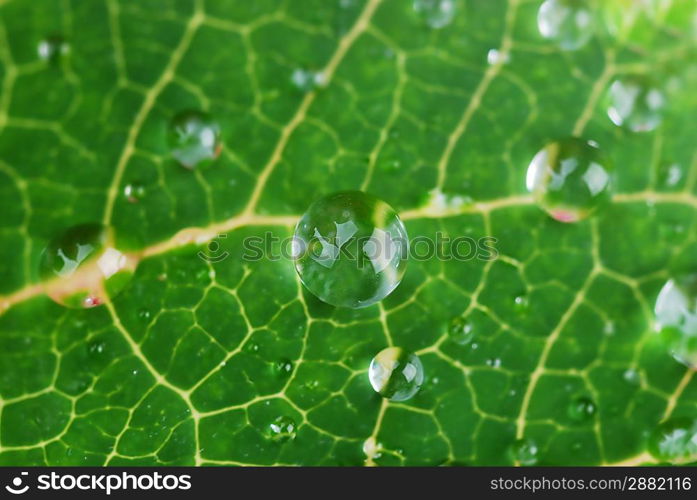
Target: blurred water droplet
x,y
436,14
524,451
81,267
96,347
284,367
144,314
396,374
354,249
569,179
676,318
675,441
632,376
52,48
570,23
194,138
581,409
461,331
308,80
282,429
495,56
635,104
521,304
134,192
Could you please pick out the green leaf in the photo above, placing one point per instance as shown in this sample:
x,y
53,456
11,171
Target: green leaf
x,y
233,362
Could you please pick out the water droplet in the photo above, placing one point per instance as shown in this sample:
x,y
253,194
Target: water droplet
x,y
282,429
495,56
635,104
96,347
134,192
352,249
396,374
569,23
461,331
144,314
284,367
494,362
252,347
81,268
194,138
52,48
524,451
581,409
570,179
675,441
669,174
521,304
308,80
632,376
676,318
436,14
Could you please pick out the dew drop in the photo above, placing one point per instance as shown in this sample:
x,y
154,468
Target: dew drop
x,y
635,104
632,377
396,374
308,80
570,23
52,48
96,347
569,179
675,441
581,409
676,318
524,451
284,367
461,331
144,315
436,14
134,192
81,268
352,249
282,429
495,56
194,138
521,304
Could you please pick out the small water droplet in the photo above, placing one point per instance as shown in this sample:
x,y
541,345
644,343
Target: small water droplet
x,y
609,328
494,362
675,441
569,179
676,318
252,347
282,429
581,409
353,249
144,314
81,268
194,138
284,367
461,331
306,80
96,347
52,48
524,451
521,304
570,23
670,174
632,376
436,14
134,192
495,56
396,374
635,104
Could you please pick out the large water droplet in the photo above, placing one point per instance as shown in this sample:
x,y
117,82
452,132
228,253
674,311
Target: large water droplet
x,y
396,374
350,249
635,104
52,48
570,179
675,441
194,137
461,331
581,409
676,318
282,429
82,268
569,23
524,451
435,13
